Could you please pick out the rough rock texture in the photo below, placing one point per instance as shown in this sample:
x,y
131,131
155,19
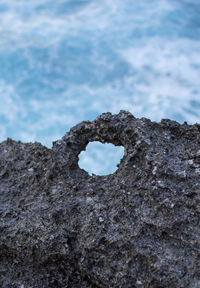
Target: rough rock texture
x,y
138,227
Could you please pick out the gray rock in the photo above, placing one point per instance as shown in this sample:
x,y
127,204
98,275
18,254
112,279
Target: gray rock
x,y
138,227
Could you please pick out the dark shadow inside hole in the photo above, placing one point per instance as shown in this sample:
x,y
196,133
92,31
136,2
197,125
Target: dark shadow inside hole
x,y
100,159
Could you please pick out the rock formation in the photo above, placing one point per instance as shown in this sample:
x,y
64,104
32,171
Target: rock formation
x,y
138,227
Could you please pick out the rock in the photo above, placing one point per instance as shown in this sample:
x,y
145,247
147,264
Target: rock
x,y
138,227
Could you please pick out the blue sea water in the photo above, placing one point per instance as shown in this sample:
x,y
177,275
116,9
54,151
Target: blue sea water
x,y
65,61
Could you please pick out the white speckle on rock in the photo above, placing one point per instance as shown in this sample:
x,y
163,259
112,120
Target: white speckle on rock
x,y
154,170
30,169
161,184
139,282
89,199
198,153
182,174
148,141
195,165
54,191
101,219
197,170
190,162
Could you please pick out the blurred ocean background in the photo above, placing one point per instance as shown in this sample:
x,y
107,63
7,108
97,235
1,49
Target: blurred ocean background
x,y
65,61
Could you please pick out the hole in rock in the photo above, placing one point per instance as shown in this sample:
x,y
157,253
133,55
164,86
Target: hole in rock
x,y
100,159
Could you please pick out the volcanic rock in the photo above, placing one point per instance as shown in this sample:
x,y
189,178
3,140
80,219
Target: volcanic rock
x,y
138,227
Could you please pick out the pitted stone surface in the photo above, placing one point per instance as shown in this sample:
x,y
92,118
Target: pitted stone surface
x,y
138,227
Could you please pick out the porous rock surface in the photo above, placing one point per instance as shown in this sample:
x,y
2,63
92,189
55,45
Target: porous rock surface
x,y
138,227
